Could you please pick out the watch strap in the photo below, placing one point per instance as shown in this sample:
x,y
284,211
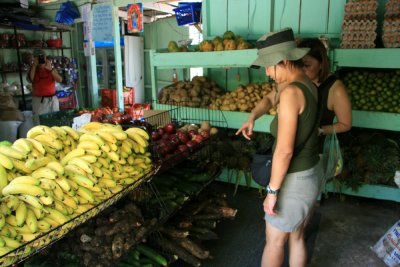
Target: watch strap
x,y
271,191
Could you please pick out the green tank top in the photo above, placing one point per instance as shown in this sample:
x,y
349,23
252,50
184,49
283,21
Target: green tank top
x,y
308,156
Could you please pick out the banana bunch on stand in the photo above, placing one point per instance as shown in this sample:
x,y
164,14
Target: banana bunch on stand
x,y
57,173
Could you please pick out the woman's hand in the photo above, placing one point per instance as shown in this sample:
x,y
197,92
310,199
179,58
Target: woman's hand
x,y
269,204
35,61
246,129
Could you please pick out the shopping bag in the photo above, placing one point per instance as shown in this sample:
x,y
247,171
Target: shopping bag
x,y
388,247
261,167
332,156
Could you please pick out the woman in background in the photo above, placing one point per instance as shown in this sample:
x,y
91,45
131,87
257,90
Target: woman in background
x,y
331,91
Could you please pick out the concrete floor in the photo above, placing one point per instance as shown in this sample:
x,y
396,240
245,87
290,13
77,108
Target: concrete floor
x,y
348,229
341,235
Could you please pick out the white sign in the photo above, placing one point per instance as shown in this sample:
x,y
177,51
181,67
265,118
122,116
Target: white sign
x,y
24,3
88,48
102,23
85,11
81,120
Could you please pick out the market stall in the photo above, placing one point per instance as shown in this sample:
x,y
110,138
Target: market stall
x,y
124,179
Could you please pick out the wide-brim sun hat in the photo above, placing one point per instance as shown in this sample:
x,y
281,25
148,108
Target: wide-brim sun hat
x,y
274,47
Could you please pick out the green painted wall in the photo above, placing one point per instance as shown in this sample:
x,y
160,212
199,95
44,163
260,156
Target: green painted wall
x,y
253,18
157,36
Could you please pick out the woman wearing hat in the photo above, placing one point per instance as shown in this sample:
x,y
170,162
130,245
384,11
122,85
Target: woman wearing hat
x,y
43,77
295,180
331,91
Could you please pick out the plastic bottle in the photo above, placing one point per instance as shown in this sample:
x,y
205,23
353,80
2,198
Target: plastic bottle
x,y
174,76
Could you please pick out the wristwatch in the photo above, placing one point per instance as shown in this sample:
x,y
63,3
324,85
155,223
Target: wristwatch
x,y
272,192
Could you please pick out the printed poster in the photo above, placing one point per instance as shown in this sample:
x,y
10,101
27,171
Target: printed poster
x,y
135,18
102,26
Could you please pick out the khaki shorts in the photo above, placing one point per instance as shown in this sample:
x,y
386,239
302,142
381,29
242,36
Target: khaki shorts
x,y
43,105
297,196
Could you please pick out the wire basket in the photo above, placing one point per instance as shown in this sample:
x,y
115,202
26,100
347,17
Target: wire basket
x,y
58,118
43,241
179,116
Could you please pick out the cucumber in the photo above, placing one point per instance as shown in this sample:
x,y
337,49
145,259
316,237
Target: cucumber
x,y
168,197
200,177
135,255
125,264
148,262
152,254
171,205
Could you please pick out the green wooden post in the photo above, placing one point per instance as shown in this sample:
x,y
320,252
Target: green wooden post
x,y
153,70
93,85
118,60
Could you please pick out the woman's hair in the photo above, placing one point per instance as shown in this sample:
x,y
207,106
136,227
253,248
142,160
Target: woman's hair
x,y
319,52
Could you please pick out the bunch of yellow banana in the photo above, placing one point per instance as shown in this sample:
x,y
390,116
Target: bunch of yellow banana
x,y
56,140
57,173
108,156
32,205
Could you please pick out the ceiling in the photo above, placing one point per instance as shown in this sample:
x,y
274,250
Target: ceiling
x,y
153,10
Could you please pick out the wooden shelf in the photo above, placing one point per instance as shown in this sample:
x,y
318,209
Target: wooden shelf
x,y
367,58
362,119
234,119
357,58
53,29
12,71
376,120
32,48
215,59
382,192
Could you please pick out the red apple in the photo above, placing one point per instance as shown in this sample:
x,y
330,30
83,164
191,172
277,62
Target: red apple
x,y
192,133
169,128
165,136
155,135
126,118
182,148
173,139
161,131
183,137
198,138
191,143
205,134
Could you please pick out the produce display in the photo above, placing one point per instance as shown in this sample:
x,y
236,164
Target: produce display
x,y
107,115
228,41
171,141
359,24
243,98
117,233
370,157
374,90
181,238
57,173
196,93
391,24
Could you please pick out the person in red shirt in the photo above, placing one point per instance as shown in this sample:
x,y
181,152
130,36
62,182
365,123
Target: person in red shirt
x,y
43,77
